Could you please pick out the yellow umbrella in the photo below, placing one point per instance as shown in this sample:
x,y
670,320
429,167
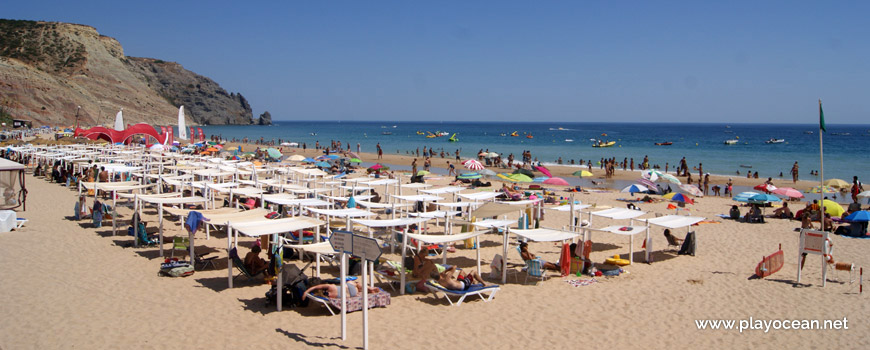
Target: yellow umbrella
x,y
833,208
837,183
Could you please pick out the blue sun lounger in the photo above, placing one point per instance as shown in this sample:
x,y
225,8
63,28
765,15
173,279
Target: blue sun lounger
x,y
475,289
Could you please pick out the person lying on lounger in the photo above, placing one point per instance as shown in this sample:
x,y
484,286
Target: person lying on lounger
x,y
463,282
333,291
524,251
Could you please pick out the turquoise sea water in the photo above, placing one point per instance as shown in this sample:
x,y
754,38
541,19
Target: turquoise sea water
x,y
846,147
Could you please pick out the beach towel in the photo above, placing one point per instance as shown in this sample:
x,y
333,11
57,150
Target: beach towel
x,y
194,218
565,260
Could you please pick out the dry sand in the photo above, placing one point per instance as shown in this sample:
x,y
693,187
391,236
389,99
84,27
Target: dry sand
x,y
68,285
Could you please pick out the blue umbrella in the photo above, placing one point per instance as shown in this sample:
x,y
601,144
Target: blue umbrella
x,y
745,196
859,216
469,176
762,198
635,188
309,160
322,164
540,179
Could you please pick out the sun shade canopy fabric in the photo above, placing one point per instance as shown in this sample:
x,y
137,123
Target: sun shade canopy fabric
x,y
247,215
479,196
419,197
545,234
442,190
317,248
456,204
416,185
132,195
494,209
622,230
283,199
373,205
268,227
6,164
173,200
619,213
108,185
567,207
345,199
242,191
435,214
522,202
437,239
493,223
675,221
343,213
205,213
389,222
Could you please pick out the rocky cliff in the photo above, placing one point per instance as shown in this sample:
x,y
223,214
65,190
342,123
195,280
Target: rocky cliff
x,y
48,69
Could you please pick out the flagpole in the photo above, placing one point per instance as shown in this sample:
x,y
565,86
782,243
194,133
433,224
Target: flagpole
x,y
822,130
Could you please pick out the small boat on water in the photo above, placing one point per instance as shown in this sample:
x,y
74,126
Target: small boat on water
x,y
515,134
569,140
604,144
529,136
313,134
453,138
745,166
420,132
808,132
731,142
775,141
664,143
386,133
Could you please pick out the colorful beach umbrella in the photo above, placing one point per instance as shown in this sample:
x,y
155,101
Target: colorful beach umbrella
x,y
837,183
788,192
635,188
520,178
858,216
833,208
670,178
763,198
352,155
376,166
473,164
274,153
765,187
744,196
582,173
692,189
355,160
646,183
818,189
558,181
544,171
309,160
540,179
865,194
296,158
469,176
422,173
679,197
322,164
651,174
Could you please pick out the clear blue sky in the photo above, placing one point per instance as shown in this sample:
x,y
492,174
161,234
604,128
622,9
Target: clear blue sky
x,y
691,61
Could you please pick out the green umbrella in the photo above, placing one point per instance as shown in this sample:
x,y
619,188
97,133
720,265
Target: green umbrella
x,y
355,160
525,172
520,178
422,172
274,153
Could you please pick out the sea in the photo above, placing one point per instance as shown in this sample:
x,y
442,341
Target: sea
x,y
846,147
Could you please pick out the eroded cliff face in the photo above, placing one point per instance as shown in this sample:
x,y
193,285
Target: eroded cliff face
x,y
48,69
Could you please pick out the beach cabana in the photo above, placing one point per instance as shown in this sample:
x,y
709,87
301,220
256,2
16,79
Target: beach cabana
x,y
504,224
12,178
673,222
264,227
160,201
436,239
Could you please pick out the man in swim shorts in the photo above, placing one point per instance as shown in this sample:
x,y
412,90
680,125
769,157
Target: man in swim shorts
x,y
463,282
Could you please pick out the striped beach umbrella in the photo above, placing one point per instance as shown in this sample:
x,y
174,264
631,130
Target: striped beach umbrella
x,y
744,196
635,188
469,176
692,189
646,183
670,178
679,197
473,164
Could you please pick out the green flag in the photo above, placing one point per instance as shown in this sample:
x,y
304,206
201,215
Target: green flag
x,y
821,118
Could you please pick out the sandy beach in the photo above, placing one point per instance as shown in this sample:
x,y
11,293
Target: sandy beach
x,y
69,285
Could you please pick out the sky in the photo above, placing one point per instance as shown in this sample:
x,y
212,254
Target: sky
x,y
571,61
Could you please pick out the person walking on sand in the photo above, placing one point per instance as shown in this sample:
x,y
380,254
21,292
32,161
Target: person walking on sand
x,y
414,167
706,183
794,172
451,170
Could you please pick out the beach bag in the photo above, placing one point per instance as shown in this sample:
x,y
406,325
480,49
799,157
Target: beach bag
x,y
175,268
181,271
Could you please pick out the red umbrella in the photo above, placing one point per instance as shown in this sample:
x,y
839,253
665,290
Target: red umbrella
x,y
765,187
544,170
376,166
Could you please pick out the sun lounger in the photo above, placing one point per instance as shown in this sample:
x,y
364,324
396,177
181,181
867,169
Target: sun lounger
x,y
379,299
475,289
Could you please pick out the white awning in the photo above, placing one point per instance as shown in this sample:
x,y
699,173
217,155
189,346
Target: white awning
x,y
268,227
522,202
373,205
108,185
389,222
567,207
479,196
456,204
283,199
490,223
172,200
623,230
419,197
343,213
435,214
545,234
318,248
416,185
437,239
442,190
344,199
675,221
247,215
619,213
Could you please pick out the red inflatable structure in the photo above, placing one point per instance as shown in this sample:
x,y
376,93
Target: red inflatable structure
x,y
121,136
